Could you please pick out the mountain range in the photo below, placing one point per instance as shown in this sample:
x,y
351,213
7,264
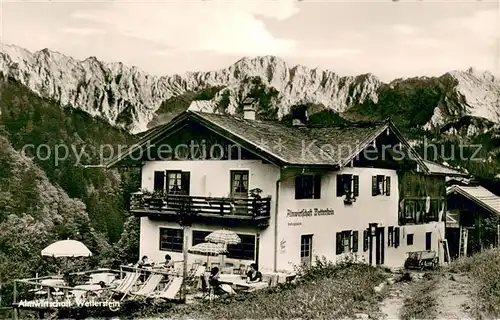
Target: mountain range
x,y
127,97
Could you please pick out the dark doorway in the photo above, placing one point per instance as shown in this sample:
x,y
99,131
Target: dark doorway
x,y
379,245
428,240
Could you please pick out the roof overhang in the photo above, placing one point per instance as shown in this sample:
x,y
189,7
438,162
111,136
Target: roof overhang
x,y
173,127
462,192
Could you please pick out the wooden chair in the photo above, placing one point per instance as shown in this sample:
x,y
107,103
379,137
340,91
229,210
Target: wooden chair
x,y
172,289
241,270
149,286
126,285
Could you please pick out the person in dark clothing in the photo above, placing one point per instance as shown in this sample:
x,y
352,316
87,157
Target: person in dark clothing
x,y
253,274
219,286
169,263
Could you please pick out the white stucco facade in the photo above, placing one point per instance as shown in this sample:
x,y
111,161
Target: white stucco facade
x,y
282,250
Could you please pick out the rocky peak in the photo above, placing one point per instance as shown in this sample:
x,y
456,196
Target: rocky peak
x,y
128,96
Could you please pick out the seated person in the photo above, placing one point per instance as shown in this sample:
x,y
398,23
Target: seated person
x,y
169,263
253,274
218,285
143,263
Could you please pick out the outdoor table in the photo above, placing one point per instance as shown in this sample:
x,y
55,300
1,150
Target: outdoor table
x,y
237,281
106,277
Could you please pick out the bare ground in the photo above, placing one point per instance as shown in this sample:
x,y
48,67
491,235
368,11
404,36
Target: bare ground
x,y
452,291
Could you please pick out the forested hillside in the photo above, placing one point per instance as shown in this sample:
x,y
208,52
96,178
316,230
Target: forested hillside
x,y
45,128
43,200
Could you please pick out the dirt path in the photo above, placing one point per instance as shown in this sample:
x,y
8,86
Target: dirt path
x,y
392,304
454,294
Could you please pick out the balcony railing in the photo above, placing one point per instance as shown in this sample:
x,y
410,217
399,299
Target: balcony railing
x,y
250,207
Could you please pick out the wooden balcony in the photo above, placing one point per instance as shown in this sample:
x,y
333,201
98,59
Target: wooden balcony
x,y
414,210
231,211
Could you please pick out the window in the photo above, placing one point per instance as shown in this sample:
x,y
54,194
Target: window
x,y
239,183
347,241
347,185
306,248
409,239
366,243
178,182
245,250
171,239
159,181
308,186
199,236
390,236
428,240
378,183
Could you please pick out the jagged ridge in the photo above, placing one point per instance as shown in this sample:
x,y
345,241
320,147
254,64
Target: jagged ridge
x,y
129,97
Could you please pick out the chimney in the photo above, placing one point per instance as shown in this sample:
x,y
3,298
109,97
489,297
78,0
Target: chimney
x,y
299,116
249,109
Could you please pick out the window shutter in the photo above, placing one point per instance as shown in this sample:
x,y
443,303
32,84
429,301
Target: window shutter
x,y
159,180
317,186
340,186
356,185
396,236
390,236
387,186
185,182
338,247
374,185
365,240
355,241
298,187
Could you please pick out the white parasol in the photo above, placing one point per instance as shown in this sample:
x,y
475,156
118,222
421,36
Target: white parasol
x,y
224,237
66,248
208,249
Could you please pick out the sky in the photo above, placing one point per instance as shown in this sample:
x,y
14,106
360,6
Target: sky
x,y
390,39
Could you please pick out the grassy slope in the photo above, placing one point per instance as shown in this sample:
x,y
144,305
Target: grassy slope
x,y
484,270
29,119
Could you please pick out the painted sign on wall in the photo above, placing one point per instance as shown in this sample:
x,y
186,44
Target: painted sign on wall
x,y
309,213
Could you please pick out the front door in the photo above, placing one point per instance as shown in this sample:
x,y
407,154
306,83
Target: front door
x,y
379,245
306,249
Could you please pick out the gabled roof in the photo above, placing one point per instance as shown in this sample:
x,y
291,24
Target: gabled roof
x,y
482,196
327,146
436,168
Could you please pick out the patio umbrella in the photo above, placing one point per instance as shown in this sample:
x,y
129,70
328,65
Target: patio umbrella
x,y
207,249
66,248
223,237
